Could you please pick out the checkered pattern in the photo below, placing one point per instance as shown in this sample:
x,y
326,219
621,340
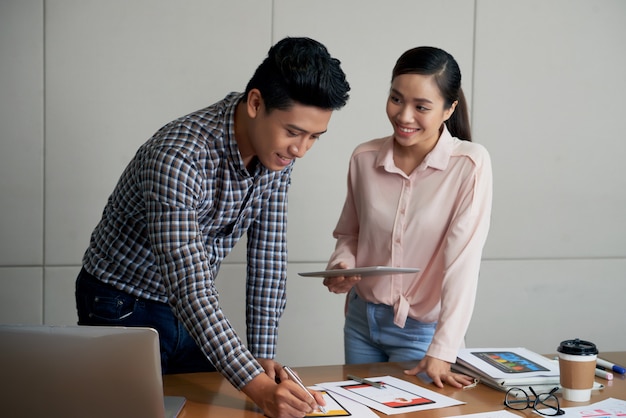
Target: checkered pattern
x,y
178,209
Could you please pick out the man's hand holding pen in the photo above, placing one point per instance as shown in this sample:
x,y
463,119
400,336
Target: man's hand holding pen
x,y
313,399
279,394
340,284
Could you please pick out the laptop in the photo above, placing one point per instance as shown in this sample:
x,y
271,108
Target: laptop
x,y
82,371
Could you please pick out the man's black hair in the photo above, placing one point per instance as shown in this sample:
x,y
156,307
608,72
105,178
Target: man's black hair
x,y
300,70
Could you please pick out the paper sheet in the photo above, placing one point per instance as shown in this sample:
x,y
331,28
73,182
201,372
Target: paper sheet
x,y
397,397
608,408
339,406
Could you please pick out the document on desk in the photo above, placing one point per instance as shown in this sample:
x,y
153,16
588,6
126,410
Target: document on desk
x,y
396,397
607,408
339,406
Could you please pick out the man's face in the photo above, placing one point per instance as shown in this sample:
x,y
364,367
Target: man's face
x,y
282,135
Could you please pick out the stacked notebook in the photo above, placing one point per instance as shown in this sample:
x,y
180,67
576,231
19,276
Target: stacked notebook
x,y
503,368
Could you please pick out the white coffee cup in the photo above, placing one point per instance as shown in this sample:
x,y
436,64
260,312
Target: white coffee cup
x,y
577,364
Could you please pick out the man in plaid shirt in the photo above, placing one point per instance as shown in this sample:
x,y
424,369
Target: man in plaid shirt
x,y
182,203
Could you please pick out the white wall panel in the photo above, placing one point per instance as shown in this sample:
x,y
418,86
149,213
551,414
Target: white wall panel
x,y
59,297
21,298
21,132
116,71
548,103
318,317
539,303
231,286
311,329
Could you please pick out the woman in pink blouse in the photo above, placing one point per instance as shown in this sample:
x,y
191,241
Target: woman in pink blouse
x,y
420,197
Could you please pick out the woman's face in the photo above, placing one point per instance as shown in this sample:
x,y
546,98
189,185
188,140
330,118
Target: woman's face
x,y
416,111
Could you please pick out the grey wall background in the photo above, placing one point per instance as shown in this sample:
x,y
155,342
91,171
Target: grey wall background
x,y
84,82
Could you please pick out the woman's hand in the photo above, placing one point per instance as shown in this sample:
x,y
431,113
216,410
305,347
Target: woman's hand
x,y
340,284
439,371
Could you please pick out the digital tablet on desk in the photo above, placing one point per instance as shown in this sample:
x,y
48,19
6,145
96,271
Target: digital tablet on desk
x,y
360,271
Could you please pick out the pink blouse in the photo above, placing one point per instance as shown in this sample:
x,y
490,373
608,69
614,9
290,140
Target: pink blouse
x,y
436,219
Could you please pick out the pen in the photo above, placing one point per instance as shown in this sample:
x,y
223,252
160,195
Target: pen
x,y
604,374
296,379
365,381
610,366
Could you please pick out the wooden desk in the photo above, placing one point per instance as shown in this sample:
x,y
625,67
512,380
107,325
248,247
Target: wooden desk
x,y
210,395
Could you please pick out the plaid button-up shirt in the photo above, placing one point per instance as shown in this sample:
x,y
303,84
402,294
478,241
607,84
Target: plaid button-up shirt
x,y
178,209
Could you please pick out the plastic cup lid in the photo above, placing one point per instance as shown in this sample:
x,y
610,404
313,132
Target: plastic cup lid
x,y
577,347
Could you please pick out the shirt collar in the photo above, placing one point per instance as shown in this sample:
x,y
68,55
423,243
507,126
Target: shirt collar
x,y
437,158
230,105
231,102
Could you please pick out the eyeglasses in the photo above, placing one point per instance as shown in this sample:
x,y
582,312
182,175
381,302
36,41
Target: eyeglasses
x,y
544,403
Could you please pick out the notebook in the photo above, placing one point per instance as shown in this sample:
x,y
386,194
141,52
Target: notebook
x,y
82,371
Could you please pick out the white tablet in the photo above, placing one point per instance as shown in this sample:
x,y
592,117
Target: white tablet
x,y
360,271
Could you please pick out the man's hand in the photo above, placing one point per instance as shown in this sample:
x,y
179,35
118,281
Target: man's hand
x,y
340,284
439,371
281,400
273,369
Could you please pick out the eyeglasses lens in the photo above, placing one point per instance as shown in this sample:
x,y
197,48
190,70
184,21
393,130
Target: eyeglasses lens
x,y
547,404
517,398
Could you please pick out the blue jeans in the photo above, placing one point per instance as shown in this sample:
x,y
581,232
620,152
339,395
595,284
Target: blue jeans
x,y
101,304
370,336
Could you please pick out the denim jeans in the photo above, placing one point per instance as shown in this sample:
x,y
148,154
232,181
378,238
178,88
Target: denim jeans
x,y
101,304
370,335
